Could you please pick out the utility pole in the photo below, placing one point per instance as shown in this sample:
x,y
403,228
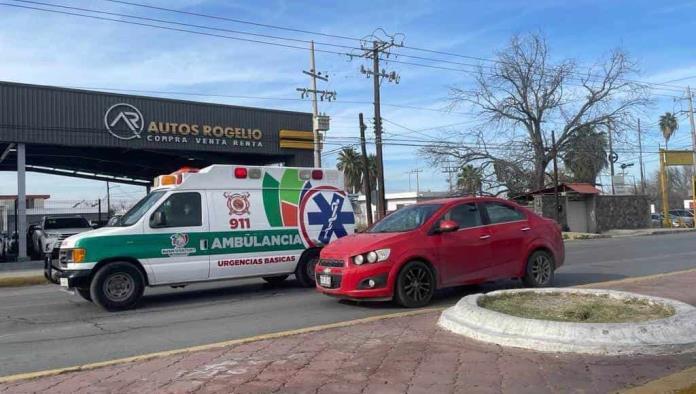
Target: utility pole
x,y
449,170
377,75
108,200
611,156
417,171
329,95
366,172
555,177
640,158
693,146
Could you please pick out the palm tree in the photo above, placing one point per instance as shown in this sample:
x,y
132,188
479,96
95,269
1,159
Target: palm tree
x,y
668,124
585,154
350,162
469,179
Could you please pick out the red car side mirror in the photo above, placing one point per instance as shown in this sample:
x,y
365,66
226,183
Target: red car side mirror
x,y
447,226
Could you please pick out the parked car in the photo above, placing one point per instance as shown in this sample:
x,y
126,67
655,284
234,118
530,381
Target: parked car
x,y
682,217
54,229
655,220
114,220
33,245
441,243
3,246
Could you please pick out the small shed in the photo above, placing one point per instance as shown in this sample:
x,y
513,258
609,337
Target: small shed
x,y
582,208
577,203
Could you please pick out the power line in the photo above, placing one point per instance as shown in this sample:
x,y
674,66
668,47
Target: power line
x,y
667,87
285,28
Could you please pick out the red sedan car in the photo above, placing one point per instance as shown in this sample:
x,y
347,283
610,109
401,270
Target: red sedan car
x,y
435,244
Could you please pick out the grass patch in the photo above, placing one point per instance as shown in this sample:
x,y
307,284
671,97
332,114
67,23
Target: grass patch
x,y
16,281
579,308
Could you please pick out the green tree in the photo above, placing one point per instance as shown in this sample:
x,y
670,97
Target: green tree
x,y
668,125
350,162
585,154
469,179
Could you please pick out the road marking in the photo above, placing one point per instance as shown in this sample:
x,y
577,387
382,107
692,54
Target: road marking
x,y
636,279
281,334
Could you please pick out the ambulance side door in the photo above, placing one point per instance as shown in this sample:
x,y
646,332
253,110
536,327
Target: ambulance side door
x,y
177,231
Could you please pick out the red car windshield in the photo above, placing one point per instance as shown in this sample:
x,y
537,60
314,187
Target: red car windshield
x,y
405,219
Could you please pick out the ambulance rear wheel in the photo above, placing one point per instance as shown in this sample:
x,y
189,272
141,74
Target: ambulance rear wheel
x,y
305,268
117,286
275,280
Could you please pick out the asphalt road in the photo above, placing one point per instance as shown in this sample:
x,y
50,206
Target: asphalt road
x,y
42,327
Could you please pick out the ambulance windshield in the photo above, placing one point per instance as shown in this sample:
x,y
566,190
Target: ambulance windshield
x,y
134,214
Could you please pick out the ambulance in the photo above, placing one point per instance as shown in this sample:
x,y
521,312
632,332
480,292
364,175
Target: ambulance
x,y
221,222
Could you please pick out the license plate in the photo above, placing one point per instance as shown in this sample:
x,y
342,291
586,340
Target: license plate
x,y
64,282
325,280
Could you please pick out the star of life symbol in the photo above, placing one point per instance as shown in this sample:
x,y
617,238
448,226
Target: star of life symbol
x,y
330,216
124,121
237,203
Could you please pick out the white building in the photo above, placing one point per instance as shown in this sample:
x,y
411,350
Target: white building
x,y
394,202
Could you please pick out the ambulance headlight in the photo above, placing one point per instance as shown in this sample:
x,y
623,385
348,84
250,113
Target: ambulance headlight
x,y
78,255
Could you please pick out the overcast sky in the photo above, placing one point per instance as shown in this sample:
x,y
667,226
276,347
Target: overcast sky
x,y
46,48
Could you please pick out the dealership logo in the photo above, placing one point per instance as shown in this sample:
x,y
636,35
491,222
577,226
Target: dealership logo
x,y
124,121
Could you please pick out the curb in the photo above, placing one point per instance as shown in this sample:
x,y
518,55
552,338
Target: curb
x,y
670,335
22,280
592,236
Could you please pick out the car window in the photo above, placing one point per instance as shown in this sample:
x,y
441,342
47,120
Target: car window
x,y
405,219
502,213
180,210
465,215
56,223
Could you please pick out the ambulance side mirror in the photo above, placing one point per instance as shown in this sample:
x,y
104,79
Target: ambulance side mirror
x,y
158,219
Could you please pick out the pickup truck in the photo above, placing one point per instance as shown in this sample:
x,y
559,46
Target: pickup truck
x,y
54,229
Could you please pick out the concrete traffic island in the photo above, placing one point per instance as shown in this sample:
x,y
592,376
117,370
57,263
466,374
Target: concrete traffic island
x,y
664,326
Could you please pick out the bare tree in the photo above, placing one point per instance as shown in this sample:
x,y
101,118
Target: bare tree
x,y
522,97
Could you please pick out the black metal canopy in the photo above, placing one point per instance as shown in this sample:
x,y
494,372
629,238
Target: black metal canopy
x,y
132,139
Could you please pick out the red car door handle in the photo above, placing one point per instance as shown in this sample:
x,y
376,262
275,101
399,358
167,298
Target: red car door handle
x,y
485,236
526,228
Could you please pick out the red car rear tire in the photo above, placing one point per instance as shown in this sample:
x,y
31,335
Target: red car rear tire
x,y
540,270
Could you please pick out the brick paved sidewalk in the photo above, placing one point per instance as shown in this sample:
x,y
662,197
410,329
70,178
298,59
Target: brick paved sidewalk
x,y
397,355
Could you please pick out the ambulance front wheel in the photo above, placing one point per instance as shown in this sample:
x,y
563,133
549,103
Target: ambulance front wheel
x,y
305,268
117,286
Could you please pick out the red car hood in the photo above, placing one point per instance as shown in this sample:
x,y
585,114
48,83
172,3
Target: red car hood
x,y
360,243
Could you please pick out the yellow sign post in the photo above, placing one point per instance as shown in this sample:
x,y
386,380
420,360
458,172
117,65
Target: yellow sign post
x,y
674,158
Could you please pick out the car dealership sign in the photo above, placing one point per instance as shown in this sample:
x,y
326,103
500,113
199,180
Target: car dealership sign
x,y
126,122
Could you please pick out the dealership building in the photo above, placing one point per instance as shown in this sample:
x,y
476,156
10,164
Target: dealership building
x,y
131,139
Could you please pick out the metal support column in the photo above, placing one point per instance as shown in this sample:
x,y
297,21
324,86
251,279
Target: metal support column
x,y
21,203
